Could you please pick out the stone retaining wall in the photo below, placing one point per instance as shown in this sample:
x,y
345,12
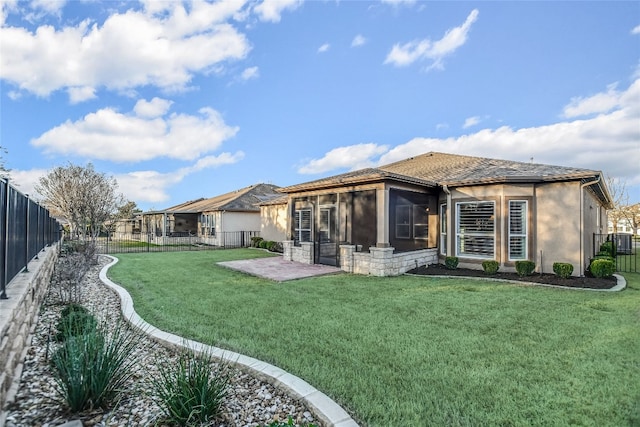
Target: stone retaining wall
x,y
18,315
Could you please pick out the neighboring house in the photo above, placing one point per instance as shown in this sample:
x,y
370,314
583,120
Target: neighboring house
x,y
387,220
273,219
623,226
234,215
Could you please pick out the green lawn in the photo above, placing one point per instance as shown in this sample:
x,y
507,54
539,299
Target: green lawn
x,y
411,351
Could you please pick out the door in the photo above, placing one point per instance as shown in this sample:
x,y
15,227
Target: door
x,y
326,240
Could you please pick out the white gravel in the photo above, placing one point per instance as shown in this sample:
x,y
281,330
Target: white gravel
x,y
250,402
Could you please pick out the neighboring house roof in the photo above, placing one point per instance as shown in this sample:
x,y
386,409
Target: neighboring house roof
x,y
433,169
243,200
281,199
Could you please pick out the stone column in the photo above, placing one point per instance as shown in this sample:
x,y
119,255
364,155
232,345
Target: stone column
x,y
381,261
382,218
346,257
287,253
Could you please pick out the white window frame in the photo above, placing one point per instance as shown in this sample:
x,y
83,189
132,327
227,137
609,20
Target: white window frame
x,y
416,212
518,234
298,229
462,234
443,229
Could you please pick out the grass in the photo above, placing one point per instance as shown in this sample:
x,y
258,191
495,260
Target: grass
x,y
411,350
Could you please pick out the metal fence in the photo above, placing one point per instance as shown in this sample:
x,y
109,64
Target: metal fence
x,y
26,228
149,242
625,248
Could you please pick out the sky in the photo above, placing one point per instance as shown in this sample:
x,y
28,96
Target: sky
x,y
179,100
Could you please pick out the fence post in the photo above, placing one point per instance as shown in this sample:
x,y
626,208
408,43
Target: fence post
x,y
5,273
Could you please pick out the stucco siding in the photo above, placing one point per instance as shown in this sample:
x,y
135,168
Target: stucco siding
x,y
273,222
240,221
558,225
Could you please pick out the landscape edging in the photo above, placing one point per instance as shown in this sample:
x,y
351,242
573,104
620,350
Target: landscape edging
x,y
322,407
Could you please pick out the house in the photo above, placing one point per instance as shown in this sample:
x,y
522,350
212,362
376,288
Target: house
x,y
214,221
387,220
273,219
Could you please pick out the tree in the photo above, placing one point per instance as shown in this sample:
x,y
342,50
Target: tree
x,y
622,210
82,196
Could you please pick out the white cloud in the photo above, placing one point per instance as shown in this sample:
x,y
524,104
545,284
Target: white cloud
x,y
636,30
250,73
471,121
271,10
598,103
419,50
110,135
352,157
325,47
166,52
358,40
52,7
152,186
26,180
607,142
81,94
157,107
399,2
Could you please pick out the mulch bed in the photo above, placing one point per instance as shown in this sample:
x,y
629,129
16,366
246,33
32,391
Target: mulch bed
x,y
547,279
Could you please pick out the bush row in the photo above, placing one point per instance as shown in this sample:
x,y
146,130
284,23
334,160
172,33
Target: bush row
x,y
270,245
601,265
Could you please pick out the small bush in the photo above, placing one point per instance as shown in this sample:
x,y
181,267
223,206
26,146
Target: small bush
x,y
75,320
255,241
91,369
525,268
602,268
262,244
563,269
490,267
275,247
451,262
608,249
191,391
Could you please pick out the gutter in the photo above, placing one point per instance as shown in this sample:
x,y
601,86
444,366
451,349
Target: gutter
x,y
445,188
582,187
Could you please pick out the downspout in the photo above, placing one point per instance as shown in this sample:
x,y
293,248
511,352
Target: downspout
x,y
582,187
448,216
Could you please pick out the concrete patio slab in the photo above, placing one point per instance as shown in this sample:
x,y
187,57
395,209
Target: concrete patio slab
x,y
276,268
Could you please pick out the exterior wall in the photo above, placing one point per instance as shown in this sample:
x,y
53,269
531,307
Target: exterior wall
x,y
500,194
558,226
239,221
273,222
594,222
18,315
383,262
302,254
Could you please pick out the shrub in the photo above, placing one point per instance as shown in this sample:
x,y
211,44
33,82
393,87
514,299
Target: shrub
x,y
608,249
255,241
525,268
75,320
563,269
602,268
91,369
191,390
275,247
451,262
490,266
262,244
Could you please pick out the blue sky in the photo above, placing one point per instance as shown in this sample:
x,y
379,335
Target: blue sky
x,y
181,100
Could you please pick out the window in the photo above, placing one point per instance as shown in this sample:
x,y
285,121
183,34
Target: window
x,y
325,226
412,221
443,229
403,221
475,230
208,224
517,229
420,222
302,226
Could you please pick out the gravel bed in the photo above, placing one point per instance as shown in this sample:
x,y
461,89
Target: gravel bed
x,y
250,402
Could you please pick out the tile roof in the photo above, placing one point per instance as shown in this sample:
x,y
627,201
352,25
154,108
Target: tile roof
x,y
242,200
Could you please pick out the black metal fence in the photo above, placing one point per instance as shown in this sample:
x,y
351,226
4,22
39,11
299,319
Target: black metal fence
x,y
149,242
625,248
25,228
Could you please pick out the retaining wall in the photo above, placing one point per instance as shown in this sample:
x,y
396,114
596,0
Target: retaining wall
x,y
18,315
